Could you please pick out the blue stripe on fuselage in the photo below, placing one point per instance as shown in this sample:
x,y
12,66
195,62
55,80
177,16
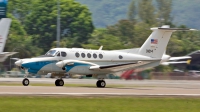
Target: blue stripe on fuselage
x,y
36,66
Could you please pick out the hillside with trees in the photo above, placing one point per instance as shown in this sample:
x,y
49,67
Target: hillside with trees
x,y
108,12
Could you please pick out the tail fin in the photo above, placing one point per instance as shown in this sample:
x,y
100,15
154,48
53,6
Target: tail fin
x,y
156,43
4,29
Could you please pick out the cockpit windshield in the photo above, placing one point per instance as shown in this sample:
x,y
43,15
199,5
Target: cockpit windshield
x,y
51,52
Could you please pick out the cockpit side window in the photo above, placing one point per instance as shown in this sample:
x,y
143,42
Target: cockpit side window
x,y
51,52
63,54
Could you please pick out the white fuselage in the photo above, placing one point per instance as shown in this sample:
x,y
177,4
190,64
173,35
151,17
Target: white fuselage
x,y
46,64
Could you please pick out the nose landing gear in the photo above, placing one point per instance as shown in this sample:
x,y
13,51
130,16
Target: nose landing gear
x,y
25,82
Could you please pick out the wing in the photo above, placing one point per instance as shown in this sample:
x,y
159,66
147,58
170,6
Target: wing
x,y
93,66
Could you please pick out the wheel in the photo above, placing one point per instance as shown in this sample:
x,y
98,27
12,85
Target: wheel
x,y
56,82
101,83
59,82
98,83
25,82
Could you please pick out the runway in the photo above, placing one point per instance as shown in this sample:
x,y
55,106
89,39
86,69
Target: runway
x,y
128,88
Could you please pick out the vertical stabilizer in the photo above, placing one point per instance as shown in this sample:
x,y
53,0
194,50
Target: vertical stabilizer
x,y
157,42
4,29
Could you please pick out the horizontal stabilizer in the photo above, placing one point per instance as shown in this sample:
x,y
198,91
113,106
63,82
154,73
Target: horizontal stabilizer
x,y
179,58
179,62
177,29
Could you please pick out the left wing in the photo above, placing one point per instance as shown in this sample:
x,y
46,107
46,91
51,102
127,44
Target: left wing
x,y
93,66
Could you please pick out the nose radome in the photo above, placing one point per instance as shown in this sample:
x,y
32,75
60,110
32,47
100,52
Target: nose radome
x,y
60,64
18,63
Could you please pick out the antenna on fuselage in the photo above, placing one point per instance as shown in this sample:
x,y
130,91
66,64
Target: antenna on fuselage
x,y
101,47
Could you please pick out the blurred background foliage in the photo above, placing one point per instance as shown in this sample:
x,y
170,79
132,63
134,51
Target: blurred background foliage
x,y
115,24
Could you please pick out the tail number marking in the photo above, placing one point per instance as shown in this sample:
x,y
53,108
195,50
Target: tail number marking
x,y
149,51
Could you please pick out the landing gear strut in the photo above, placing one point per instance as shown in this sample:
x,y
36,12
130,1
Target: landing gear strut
x,y
59,82
25,81
101,83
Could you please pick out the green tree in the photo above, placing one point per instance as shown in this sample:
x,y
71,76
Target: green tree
x,y
124,29
132,11
147,11
19,41
20,8
76,22
101,37
164,10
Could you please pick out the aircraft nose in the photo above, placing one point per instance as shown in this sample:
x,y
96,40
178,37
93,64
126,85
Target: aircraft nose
x,y
18,63
60,64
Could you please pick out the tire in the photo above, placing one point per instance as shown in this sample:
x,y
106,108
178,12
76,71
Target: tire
x,y
98,83
60,82
25,82
102,84
56,82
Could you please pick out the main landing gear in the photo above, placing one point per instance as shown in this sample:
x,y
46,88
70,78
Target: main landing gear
x,y
59,82
101,83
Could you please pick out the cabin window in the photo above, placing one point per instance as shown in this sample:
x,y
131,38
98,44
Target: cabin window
x,y
77,55
100,56
88,55
83,55
95,55
63,54
120,57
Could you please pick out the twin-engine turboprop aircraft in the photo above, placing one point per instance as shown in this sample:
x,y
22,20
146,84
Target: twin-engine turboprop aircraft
x,y
98,63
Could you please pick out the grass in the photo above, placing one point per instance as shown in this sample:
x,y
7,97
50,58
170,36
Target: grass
x,y
97,104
